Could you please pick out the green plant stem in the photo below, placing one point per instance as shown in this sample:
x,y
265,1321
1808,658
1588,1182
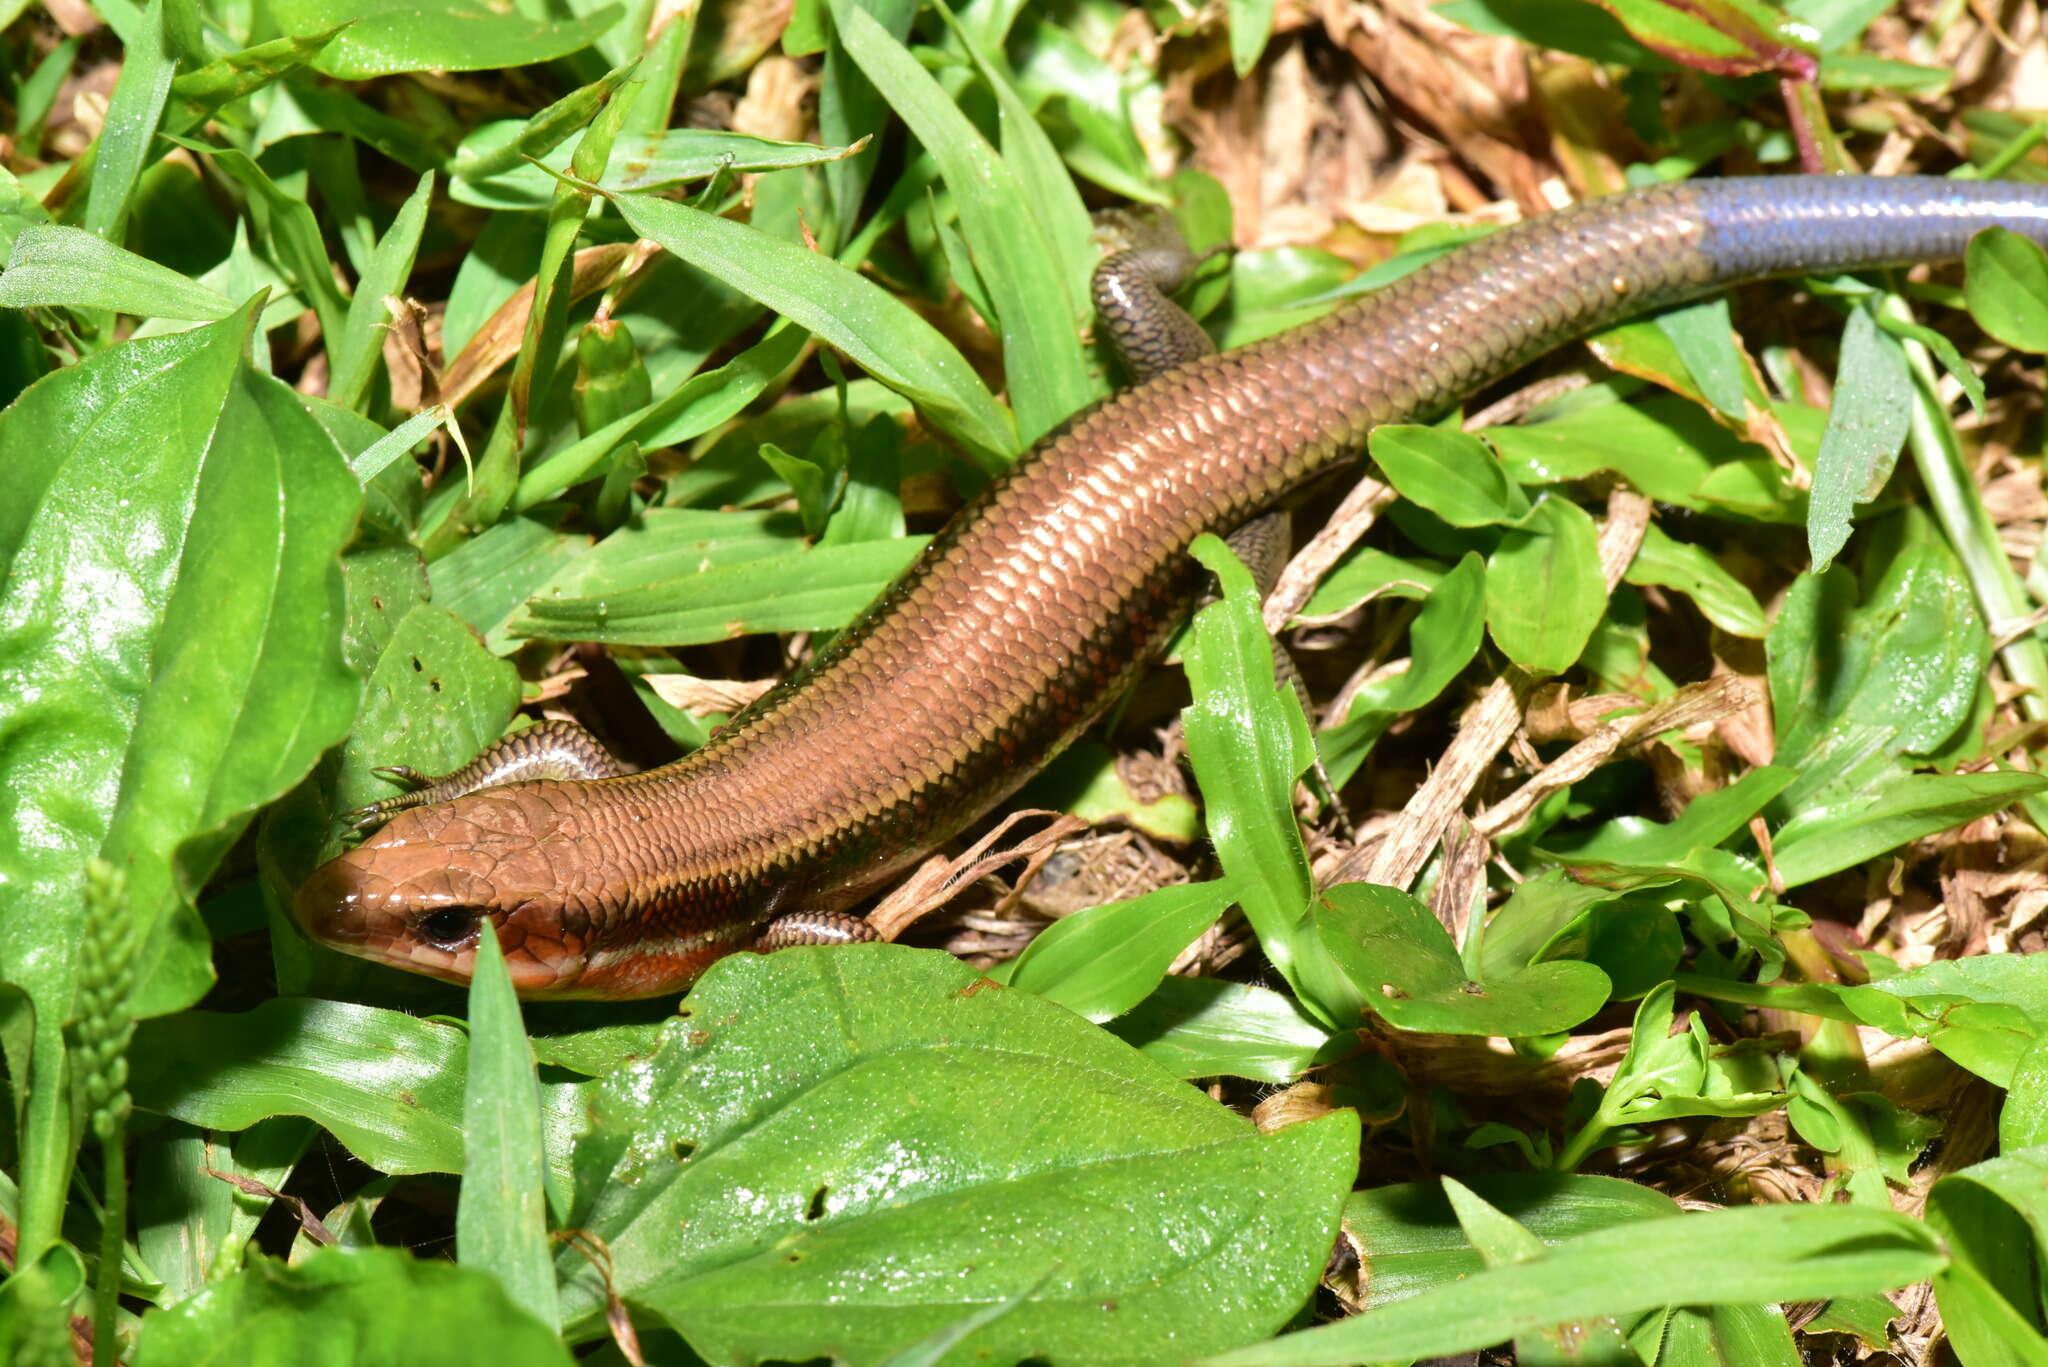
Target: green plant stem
x,y
2012,153
1583,1144
661,75
113,1227
1833,1052
47,1144
1964,520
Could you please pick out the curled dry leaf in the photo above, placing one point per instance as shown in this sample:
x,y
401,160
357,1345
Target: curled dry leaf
x,y
702,697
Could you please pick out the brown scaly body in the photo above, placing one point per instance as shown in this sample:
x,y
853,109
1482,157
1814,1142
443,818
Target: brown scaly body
x,y
1046,595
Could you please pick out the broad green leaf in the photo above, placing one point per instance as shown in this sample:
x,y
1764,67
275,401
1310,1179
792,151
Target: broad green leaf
x,y
1101,962
388,1085
169,637
1527,925
877,330
1866,430
746,1190
432,697
2007,288
391,494
1498,1237
1733,900
1867,1317
1501,1240
598,1050
501,1222
419,146
1828,837
57,267
1872,1143
1984,1328
1858,690
1450,473
1986,1013
1720,37
350,1308
871,503
1273,289
1738,1256
1585,30
1646,350
1732,1336
1406,969
815,486
1443,640
391,36
2023,1117
1667,1076
819,588
1084,780
1722,598
1704,338
1249,744
676,543
1251,24
1544,588
1708,820
1205,1027
1367,573
1994,1218
1836,22
1412,1237
1666,447
192,1228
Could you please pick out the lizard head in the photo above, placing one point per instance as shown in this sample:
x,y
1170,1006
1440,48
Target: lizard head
x,y
523,857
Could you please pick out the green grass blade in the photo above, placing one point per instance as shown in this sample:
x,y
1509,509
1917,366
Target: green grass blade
x,y
132,117
354,356
501,1223
881,333
1047,368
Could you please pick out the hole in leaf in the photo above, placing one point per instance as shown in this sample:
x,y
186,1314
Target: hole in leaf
x,y
817,1207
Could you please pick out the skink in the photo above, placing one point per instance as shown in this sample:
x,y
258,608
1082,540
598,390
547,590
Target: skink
x,y
1045,595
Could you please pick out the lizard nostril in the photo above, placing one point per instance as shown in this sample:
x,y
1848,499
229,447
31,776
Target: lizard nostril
x,y
327,900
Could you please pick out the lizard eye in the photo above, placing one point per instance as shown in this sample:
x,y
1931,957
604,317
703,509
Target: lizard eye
x,y
448,927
